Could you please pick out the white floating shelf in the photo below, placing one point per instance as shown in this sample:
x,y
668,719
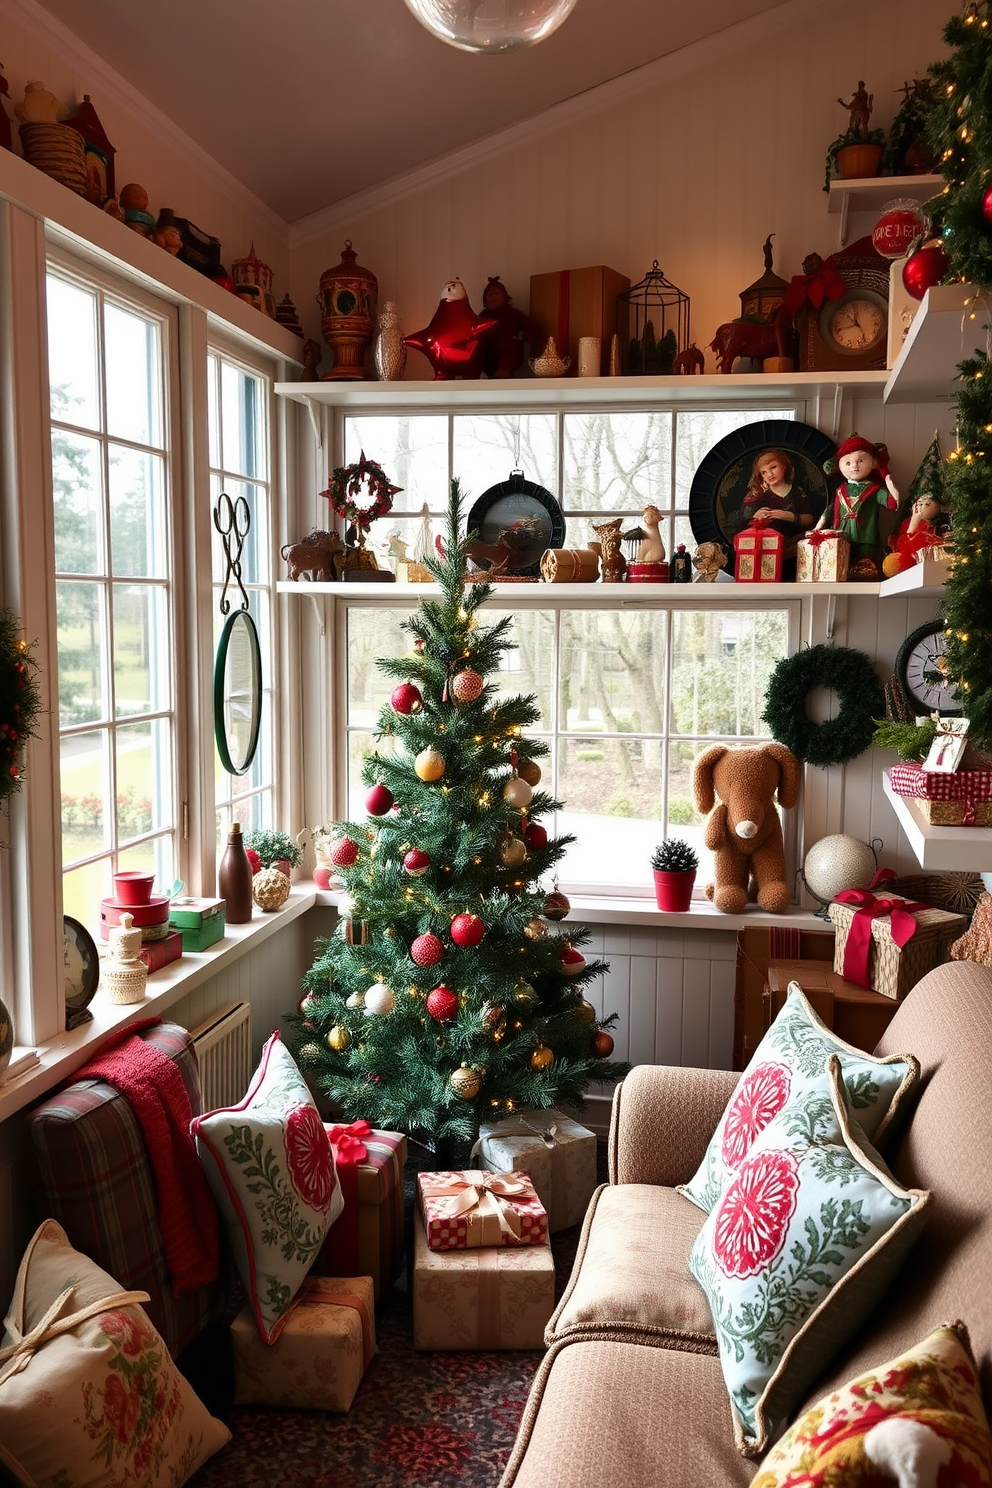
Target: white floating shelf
x,y
961,849
607,596
923,578
949,326
870,193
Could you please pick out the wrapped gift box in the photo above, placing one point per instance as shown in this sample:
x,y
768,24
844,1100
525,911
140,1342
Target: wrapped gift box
x,y
557,1154
201,922
892,969
319,1358
373,1246
822,559
578,302
758,555
500,1297
472,1209
958,798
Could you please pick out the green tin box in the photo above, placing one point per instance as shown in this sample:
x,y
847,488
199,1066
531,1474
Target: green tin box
x,y
201,921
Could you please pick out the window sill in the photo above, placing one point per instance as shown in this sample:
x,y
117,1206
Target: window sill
x,y
61,1058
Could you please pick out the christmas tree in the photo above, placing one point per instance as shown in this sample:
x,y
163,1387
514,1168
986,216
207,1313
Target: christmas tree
x,y
445,998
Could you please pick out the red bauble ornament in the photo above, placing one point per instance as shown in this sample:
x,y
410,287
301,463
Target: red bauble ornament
x,y
254,860
466,686
416,863
572,962
535,836
467,930
452,343
897,229
987,204
556,905
442,1004
406,698
378,800
924,268
601,1044
343,852
426,950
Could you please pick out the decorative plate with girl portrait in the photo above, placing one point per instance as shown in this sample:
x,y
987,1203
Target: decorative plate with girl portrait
x,y
771,470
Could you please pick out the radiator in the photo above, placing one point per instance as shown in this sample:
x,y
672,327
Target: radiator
x,y
223,1051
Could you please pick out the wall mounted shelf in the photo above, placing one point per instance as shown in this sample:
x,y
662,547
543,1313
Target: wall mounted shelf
x,y
948,326
958,849
870,194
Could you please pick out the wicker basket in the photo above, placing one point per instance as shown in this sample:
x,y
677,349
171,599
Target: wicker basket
x,y
962,798
893,970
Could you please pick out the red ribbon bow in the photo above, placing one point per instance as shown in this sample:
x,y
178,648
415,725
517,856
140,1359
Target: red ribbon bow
x,y
869,907
825,284
349,1149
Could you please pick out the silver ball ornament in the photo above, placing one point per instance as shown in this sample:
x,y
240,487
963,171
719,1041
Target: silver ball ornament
x,y
838,862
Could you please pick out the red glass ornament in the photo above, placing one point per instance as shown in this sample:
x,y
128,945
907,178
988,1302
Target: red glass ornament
x,y
572,962
601,1044
987,204
452,342
556,905
442,1004
924,268
343,852
416,863
406,698
254,860
900,224
378,800
467,930
426,950
535,836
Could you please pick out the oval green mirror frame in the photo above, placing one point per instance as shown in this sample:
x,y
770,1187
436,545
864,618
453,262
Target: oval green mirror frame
x,y
237,693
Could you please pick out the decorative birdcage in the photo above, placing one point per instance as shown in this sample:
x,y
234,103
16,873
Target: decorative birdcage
x,y
658,318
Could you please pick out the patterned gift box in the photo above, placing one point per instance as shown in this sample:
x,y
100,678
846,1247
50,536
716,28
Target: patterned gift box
x,y
893,969
319,1358
758,555
472,1209
495,1298
375,1245
960,798
822,558
557,1154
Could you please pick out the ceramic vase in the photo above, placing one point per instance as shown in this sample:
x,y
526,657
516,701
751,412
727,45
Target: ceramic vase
x,y
347,301
389,353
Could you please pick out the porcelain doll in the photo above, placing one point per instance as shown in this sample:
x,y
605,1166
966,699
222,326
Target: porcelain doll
x,y
866,490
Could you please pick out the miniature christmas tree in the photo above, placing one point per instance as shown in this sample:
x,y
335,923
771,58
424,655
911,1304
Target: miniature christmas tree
x,y
445,998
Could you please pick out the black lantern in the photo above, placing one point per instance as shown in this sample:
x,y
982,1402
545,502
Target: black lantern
x,y
659,323
762,298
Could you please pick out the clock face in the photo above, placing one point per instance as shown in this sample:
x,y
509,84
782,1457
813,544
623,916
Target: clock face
x,y
921,668
856,323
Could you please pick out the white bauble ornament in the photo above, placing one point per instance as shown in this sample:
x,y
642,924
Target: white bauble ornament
x,y
517,792
379,999
838,862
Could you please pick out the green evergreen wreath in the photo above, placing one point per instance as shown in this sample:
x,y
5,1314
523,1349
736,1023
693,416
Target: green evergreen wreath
x,y
20,702
851,676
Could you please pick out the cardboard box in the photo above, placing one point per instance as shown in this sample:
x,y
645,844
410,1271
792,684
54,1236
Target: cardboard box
x,y
500,1297
822,561
579,302
854,1014
158,953
374,1245
557,1154
200,921
893,970
319,1358
472,1210
757,947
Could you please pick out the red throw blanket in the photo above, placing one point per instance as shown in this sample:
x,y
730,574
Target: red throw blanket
x,y
153,1084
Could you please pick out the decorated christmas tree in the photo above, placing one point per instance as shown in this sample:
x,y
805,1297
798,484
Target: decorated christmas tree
x,y
445,998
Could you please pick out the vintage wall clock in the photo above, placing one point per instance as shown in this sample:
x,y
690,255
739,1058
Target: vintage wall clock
x,y
920,668
849,334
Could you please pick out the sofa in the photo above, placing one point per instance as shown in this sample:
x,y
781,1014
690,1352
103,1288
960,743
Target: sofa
x,y
631,1390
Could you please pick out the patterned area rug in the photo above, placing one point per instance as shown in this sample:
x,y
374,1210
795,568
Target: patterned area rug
x,y
419,1420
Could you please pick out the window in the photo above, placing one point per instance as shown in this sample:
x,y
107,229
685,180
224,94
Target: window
x,y
111,424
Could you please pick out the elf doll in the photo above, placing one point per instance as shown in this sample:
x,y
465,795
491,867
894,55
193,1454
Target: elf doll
x,y
866,489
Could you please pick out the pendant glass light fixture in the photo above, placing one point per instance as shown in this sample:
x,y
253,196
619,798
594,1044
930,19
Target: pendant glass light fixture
x,y
491,25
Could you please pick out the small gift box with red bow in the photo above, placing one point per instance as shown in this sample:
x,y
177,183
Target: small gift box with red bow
x,y
887,943
822,558
367,1238
471,1210
557,1154
758,555
499,1297
319,1358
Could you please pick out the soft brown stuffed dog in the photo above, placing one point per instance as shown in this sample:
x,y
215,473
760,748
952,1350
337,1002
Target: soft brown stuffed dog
x,y
743,829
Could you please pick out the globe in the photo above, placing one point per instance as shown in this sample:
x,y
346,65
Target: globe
x,y
838,862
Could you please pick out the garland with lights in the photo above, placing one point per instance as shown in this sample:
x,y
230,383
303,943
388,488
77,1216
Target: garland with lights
x,y
349,482
846,672
20,702
959,127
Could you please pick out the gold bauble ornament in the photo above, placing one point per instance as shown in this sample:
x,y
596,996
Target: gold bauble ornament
x,y
517,792
309,1053
542,1057
429,765
585,1012
356,1000
536,929
270,889
338,1039
524,994
530,771
465,1082
512,852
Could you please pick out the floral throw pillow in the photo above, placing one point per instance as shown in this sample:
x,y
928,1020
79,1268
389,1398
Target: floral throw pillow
x,y
89,1395
808,1233
924,1407
787,1071
270,1166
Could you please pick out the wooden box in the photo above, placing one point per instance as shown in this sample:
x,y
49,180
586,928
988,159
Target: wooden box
x,y
757,948
579,302
855,1015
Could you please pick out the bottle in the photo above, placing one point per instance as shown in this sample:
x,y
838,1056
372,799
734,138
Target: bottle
x,y
234,878
680,571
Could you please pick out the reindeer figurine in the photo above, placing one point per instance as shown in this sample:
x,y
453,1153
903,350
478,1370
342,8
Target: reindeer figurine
x,y
612,561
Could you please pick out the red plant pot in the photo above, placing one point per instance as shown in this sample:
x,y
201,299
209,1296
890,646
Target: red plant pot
x,y
673,891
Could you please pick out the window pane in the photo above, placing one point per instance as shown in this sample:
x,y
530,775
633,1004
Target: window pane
x,y
412,451
138,540
144,775
371,634
142,649
82,632
82,890
251,550
486,447
528,669
616,461
72,354
134,376
76,467
242,431
699,429
612,805
155,855
213,415
612,672
721,662
85,773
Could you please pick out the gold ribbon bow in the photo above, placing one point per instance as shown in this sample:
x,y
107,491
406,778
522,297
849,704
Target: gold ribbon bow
x,y
17,1355
483,1198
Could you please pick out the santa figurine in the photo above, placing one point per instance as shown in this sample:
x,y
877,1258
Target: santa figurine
x,y
453,342
866,489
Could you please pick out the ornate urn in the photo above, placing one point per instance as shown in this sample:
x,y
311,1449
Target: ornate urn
x,y
347,301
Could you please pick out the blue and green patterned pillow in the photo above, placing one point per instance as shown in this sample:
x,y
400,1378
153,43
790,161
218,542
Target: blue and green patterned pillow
x,y
807,1235
787,1071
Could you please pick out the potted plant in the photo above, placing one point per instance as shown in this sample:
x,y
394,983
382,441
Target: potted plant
x,y
857,152
674,863
274,849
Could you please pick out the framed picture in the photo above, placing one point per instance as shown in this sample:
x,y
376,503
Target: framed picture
x,y
521,515
720,483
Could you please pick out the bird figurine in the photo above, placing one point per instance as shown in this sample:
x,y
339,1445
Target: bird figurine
x,y
452,343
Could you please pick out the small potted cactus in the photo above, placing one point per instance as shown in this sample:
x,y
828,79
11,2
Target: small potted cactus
x,y
274,849
674,862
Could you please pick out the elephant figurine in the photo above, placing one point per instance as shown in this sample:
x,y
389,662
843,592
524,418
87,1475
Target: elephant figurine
x,y
313,557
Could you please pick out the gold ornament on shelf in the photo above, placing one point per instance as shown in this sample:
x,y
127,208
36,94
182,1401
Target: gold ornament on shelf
x,y
429,765
465,1082
338,1038
536,929
270,889
542,1057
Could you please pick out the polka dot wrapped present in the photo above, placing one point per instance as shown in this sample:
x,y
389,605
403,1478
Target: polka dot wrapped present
x,y
470,1210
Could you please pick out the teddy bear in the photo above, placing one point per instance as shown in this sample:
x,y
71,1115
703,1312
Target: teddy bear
x,y
743,829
